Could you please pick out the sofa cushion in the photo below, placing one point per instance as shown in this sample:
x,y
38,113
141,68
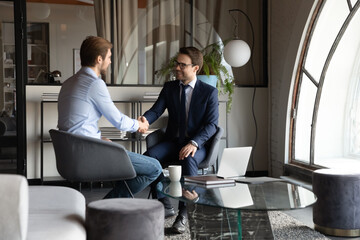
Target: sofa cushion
x,y
56,213
13,207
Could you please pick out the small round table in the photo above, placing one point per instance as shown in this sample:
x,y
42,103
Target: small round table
x,y
217,210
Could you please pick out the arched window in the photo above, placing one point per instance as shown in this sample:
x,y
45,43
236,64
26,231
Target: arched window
x,y
325,118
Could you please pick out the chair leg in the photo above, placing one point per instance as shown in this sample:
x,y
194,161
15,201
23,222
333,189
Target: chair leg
x,y
150,192
127,186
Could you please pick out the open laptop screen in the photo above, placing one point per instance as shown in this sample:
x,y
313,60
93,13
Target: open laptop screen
x,y
234,162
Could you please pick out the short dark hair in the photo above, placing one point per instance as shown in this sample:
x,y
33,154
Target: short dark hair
x,y
194,54
91,48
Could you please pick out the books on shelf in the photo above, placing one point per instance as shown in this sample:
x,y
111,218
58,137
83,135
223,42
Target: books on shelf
x,y
208,180
151,95
49,96
144,135
112,133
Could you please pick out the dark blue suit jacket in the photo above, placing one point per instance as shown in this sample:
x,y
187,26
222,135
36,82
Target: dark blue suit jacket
x,y
203,111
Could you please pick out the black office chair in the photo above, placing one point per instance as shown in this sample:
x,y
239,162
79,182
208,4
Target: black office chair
x,y
213,146
86,159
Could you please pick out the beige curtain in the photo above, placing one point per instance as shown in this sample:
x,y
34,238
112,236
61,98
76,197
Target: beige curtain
x,y
143,38
117,17
165,33
102,20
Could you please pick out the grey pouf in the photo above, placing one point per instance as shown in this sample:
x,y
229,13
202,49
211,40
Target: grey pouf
x,y
337,209
125,218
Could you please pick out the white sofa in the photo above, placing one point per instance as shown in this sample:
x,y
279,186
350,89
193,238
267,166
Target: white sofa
x,y
40,212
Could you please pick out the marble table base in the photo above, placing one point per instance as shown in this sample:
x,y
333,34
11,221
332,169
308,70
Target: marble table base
x,y
217,223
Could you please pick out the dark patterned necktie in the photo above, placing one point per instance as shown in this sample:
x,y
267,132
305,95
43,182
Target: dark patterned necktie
x,y
182,127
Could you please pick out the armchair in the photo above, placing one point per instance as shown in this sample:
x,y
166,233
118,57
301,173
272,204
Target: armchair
x,y
86,159
210,160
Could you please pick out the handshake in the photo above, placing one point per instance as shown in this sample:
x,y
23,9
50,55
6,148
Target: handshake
x,y
143,124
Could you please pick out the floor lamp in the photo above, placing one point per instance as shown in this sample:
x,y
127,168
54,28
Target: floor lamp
x,y
237,53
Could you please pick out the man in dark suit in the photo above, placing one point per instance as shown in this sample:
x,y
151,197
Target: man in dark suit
x,y
193,110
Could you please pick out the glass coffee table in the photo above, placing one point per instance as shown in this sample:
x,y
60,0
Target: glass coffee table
x,y
236,211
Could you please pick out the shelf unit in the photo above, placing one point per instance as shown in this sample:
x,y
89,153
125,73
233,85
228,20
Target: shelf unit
x,y
38,59
136,140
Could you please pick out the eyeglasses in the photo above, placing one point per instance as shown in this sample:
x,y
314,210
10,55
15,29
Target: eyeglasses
x,y
182,65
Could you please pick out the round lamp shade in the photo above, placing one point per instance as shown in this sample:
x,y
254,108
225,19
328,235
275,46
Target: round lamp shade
x,y
237,53
38,10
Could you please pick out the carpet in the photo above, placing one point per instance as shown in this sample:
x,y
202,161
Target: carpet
x,y
284,227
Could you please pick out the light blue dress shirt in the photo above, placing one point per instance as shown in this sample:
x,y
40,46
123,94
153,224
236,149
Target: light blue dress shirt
x,y
188,93
83,99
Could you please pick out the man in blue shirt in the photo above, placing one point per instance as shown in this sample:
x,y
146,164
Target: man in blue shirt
x,y
84,98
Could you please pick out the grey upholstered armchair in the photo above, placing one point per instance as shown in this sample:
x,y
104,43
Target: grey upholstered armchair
x,y
86,159
213,146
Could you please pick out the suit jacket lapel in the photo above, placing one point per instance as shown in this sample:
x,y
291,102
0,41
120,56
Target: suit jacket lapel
x,y
176,98
195,93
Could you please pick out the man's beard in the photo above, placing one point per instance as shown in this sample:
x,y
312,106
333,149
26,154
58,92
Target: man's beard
x,y
103,72
179,75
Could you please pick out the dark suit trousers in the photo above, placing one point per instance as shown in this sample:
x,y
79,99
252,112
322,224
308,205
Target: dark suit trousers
x,y
168,152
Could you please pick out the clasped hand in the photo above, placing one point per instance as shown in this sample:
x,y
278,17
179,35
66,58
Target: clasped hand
x,y
187,150
143,124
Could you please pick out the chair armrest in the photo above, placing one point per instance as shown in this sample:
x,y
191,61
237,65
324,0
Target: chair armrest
x,y
155,137
213,149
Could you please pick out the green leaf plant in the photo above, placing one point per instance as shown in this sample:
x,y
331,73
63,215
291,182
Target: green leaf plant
x,y
212,57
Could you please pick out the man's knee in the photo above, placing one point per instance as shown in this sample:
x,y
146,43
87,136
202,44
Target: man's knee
x,y
158,169
190,166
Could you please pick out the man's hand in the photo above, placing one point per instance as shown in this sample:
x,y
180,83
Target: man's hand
x,y
106,139
187,150
143,124
193,196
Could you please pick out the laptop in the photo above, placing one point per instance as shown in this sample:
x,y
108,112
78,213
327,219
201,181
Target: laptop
x,y
235,197
234,162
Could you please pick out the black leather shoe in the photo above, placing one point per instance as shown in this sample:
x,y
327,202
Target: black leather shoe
x,y
169,212
179,225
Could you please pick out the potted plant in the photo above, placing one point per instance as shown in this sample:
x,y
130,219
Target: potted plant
x,y
212,68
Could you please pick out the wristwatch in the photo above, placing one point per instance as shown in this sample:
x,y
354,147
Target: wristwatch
x,y
194,143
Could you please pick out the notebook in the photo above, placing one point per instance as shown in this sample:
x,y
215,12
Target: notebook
x,y
234,162
208,180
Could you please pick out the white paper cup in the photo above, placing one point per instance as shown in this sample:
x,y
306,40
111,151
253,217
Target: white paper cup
x,y
174,172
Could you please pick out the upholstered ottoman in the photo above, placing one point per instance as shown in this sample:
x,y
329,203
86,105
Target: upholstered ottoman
x,y
125,218
337,210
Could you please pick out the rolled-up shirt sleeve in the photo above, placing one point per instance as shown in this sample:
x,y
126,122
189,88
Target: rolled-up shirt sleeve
x,y
102,100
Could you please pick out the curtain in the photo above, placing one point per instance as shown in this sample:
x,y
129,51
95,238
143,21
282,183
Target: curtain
x,y
115,21
145,34
103,25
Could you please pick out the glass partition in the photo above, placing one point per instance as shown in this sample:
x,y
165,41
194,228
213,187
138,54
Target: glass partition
x,y
145,35
8,141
